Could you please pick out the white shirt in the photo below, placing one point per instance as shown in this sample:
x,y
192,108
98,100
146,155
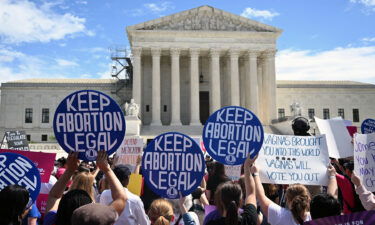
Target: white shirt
x,y
278,215
134,212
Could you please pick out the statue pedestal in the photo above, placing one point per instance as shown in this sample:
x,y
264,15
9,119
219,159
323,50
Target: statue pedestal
x,y
133,124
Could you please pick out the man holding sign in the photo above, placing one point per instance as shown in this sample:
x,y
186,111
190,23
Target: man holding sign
x,y
173,163
231,134
88,120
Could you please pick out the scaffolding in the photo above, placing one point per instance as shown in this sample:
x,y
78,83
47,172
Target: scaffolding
x,y
122,71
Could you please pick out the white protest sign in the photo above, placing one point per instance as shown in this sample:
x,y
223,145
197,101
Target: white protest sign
x,y
233,172
338,138
364,159
286,159
129,151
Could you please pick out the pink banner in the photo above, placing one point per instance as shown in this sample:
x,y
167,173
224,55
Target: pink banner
x,y
44,161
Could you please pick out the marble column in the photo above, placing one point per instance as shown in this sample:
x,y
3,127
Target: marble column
x,y
252,94
137,83
175,89
194,86
215,100
269,86
156,118
272,74
260,88
235,77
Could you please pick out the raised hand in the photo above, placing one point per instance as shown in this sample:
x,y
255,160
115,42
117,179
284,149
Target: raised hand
x,y
356,180
72,162
102,162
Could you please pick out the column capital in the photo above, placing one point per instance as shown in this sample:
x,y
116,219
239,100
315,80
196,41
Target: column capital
x,y
155,51
215,52
175,51
194,52
269,53
136,51
253,53
234,52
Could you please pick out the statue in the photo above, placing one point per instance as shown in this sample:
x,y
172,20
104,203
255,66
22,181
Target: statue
x,y
296,109
131,109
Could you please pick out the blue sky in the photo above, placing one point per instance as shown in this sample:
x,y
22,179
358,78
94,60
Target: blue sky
x,y
322,40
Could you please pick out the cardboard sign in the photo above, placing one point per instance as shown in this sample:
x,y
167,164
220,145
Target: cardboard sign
x,y
338,139
17,169
368,126
231,134
360,218
233,172
288,159
88,121
43,161
129,151
135,184
17,140
173,163
364,159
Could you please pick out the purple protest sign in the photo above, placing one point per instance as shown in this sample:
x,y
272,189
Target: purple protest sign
x,y
362,218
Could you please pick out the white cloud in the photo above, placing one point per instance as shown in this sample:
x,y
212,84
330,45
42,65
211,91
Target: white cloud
x,y
367,39
349,63
159,8
153,8
364,2
64,62
24,21
263,14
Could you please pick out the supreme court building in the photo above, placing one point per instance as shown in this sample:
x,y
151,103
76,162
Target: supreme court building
x,y
190,64
186,66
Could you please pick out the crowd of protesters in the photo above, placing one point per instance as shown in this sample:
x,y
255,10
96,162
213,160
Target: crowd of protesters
x,y
96,193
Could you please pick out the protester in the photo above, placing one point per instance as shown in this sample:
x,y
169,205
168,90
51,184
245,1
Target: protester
x,y
32,216
218,211
351,201
61,167
160,212
231,196
367,198
59,206
98,214
13,202
84,181
324,205
297,200
188,203
134,212
218,176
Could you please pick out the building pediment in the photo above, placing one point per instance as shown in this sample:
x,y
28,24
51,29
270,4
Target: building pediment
x,y
204,18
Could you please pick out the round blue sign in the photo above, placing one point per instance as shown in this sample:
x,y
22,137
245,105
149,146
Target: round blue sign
x,y
231,134
173,163
88,121
368,126
17,169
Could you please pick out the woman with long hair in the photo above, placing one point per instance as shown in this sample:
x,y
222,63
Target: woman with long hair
x,y
231,201
13,202
161,212
84,181
216,178
297,201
